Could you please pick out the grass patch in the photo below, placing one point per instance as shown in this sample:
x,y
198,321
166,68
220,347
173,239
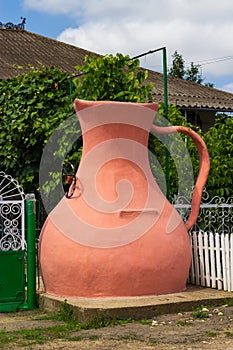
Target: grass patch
x,y
145,322
5,338
65,313
76,338
30,337
35,336
103,320
211,334
229,334
199,313
49,316
93,337
228,302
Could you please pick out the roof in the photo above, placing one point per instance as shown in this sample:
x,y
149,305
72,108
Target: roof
x,y
21,48
188,95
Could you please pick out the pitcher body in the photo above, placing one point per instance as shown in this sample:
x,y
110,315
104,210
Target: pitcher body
x,y
117,235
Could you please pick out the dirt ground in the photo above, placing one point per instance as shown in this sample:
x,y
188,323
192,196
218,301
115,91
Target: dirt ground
x,y
204,328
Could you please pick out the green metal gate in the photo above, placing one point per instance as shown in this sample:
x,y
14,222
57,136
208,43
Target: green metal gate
x,y
17,252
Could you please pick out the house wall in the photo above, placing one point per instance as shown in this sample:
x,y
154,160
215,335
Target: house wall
x,y
207,119
202,118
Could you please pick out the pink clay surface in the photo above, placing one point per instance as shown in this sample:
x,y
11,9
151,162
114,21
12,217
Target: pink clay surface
x,y
118,235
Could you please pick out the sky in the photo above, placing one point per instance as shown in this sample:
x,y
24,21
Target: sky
x,y
200,30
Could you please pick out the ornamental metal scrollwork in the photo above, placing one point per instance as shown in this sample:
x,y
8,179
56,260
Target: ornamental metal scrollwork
x,y
12,216
11,242
10,25
10,188
12,226
215,215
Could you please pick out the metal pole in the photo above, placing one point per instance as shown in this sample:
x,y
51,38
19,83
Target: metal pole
x,y
71,87
167,167
31,250
165,99
165,80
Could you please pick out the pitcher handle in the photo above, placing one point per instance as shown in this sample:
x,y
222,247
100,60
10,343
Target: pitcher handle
x,y
203,171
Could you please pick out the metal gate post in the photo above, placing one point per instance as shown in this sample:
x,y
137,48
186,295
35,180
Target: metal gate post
x,y
31,250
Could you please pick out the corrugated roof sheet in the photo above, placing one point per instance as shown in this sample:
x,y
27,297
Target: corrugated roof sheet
x,y
185,94
21,48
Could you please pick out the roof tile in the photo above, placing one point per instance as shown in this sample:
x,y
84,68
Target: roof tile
x,y
20,47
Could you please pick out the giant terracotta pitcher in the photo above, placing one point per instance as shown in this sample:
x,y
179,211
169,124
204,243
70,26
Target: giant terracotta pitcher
x,y
118,235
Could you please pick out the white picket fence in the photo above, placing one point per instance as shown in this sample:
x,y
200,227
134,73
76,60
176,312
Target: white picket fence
x,y
212,260
211,241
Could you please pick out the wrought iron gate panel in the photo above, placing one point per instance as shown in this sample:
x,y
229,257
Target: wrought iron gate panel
x,y
12,225
12,244
12,214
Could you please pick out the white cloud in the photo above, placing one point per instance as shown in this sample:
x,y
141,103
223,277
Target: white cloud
x,y
197,29
198,10
228,87
54,6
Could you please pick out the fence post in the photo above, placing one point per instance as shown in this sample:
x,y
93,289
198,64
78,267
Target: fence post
x,y
31,249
